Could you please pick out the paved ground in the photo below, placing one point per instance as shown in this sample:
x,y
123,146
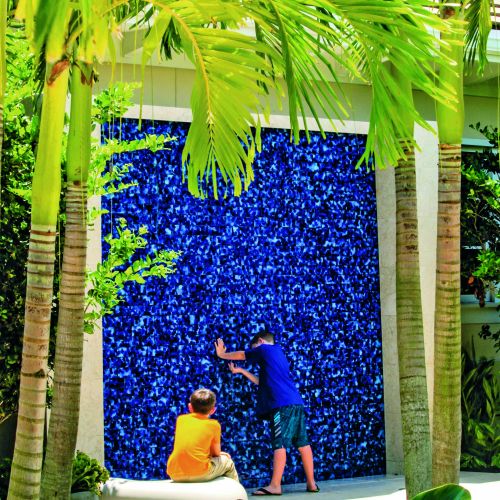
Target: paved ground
x,y
483,486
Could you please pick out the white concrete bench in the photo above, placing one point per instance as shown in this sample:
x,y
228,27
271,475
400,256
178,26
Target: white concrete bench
x,y
222,488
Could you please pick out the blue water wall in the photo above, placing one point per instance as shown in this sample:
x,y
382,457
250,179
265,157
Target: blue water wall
x,y
298,252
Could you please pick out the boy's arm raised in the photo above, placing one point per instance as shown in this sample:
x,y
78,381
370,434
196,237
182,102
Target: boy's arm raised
x,y
220,349
248,375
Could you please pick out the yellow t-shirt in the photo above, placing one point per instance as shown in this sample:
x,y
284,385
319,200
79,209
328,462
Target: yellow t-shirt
x,y
194,436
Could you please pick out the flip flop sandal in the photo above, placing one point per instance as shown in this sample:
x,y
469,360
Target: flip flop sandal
x,y
262,492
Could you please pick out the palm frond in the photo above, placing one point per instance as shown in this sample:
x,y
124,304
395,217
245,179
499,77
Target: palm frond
x,y
359,38
479,26
312,47
225,94
230,77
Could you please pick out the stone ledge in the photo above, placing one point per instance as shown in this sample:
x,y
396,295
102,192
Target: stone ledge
x,y
222,488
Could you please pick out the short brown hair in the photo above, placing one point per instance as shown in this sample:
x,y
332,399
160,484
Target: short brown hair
x,y
264,335
202,401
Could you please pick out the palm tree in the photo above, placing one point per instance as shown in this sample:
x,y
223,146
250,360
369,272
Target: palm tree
x,y
293,45
446,432
302,48
27,462
63,428
410,331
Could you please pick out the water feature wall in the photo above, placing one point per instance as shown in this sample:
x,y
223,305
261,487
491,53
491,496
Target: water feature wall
x,y
298,252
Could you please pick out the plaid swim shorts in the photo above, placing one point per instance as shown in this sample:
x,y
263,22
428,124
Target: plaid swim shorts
x,y
288,427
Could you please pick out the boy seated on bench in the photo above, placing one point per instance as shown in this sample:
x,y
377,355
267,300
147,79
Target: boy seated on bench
x,y
197,455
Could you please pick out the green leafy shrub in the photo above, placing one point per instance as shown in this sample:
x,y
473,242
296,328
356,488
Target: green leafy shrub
x,y
480,398
120,267
88,474
480,216
19,143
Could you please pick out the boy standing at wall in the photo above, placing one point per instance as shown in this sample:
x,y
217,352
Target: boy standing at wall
x,y
277,400
197,456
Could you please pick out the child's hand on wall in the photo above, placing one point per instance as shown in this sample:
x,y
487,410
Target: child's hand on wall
x,y
234,368
220,348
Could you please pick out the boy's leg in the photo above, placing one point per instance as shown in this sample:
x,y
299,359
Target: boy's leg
x,y
222,466
308,463
279,462
302,443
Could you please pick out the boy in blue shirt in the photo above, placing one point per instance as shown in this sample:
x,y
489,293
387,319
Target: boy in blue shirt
x,y
277,400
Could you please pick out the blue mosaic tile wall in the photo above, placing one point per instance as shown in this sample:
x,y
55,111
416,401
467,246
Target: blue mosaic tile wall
x,y
298,252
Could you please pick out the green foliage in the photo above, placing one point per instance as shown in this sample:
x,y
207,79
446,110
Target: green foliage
x,y
480,215
19,143
123,266
489,262
5,464
296,50
88,474
445,492
104,177
21,131
480,400
113,103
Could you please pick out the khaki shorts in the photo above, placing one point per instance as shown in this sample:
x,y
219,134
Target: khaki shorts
x,y
219,466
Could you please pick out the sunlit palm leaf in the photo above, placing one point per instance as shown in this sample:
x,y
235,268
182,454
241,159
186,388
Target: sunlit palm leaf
x,y
478,20
230,77
310,46
306,42
356,38
397,33
225,94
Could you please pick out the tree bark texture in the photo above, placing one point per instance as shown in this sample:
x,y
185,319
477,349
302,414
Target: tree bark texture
x,y
410,333
27,461
447,424
63,427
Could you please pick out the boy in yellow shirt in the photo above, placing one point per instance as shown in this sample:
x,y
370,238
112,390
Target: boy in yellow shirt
x,y
197,456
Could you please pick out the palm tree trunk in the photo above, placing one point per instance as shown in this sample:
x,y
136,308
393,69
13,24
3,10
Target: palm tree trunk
x,y
447,323
446,433
410,329
27,461
410,334
63,429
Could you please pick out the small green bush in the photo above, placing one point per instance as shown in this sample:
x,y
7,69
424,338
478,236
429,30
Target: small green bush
x,y
88,474
480,396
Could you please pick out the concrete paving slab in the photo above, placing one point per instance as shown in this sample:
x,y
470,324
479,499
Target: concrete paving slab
x,y
482,485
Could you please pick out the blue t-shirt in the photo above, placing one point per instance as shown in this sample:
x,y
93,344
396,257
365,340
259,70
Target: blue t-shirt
x,y
276,387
